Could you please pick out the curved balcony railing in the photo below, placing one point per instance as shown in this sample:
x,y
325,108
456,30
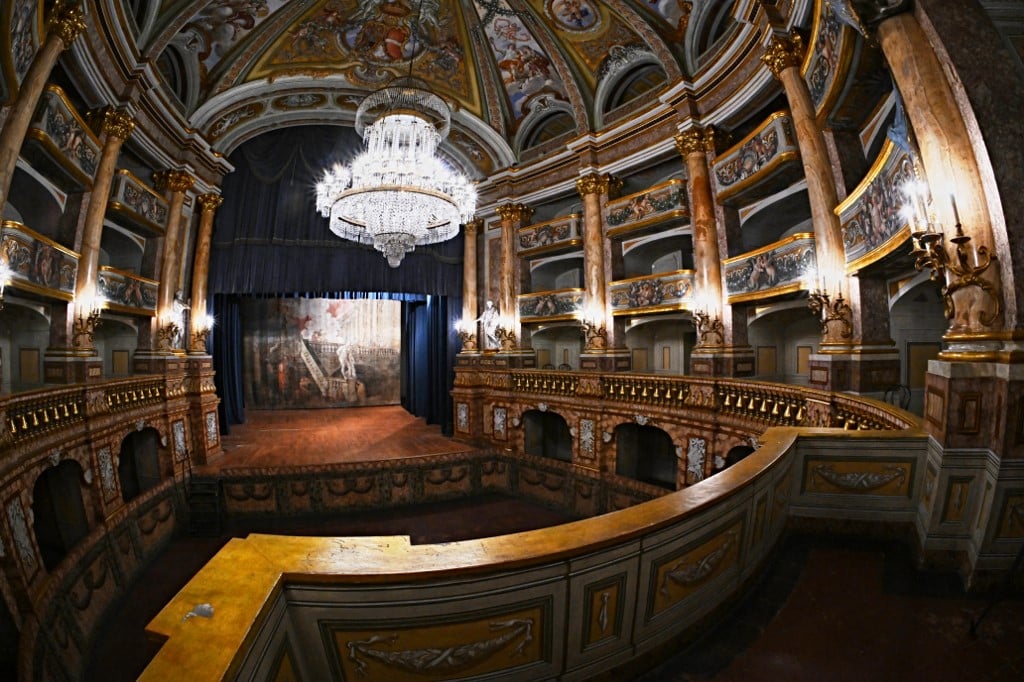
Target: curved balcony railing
x,y
828,59
782,267
58,138
554,235
127,292
652,293
871,219
37,264
653,206
574,600
560,304
138,204
766,160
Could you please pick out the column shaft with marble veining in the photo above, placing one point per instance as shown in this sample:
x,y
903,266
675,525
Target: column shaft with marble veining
x,y
469,270
784,56
593,189
513,216
64,23
115,126
201,264
693,146
946,153
175,183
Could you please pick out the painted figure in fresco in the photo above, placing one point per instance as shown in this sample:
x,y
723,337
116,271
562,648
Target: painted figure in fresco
x,y
640,206
489,319
219,25
44,269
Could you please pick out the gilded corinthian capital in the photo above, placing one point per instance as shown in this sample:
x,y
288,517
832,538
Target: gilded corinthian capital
x,y
210,202
694,141
112,122
474,226
66,21
515,213
598,183
173,180
783,53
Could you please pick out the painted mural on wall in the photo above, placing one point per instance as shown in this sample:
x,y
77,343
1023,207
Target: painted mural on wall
x,y
790,262
132,194
304,353
527,74
666,200
35,260
216,28
669,290
871,216
23,36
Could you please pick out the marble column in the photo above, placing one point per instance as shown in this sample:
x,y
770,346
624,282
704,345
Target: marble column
x,y
64,23
513,216
715,353
199,329
469,270
170,328
950,166
602,348
844,361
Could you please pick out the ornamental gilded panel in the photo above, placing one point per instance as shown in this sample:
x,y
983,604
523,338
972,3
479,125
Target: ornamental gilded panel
x,y
59,134
871,218
663,291
562,303
778,268
549,236
37,264
759,159
641,209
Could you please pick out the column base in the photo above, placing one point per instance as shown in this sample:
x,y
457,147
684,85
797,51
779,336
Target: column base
x,y
722,361
607,360
72,366
858,370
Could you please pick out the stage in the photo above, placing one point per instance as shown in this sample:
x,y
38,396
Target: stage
x,y
286,439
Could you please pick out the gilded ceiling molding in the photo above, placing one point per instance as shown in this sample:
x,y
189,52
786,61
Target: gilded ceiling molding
x,y
658,46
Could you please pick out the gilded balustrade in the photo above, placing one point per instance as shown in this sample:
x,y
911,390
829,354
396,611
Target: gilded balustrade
x,y
32,415
136,393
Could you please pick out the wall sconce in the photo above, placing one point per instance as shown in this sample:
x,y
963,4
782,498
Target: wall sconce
x,y
830,311
958,272
87,316
595,333
506,335
5,279
201,331
466,331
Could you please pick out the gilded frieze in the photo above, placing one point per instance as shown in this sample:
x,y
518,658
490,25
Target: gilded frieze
x,y
778,268
37,264
657,204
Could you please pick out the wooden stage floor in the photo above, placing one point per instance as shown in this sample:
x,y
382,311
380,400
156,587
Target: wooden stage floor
x,y
291,438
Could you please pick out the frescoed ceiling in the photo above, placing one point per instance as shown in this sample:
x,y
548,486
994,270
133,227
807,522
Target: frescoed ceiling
x,y
508,67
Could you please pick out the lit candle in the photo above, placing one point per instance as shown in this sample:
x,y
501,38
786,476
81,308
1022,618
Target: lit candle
x,y
956,213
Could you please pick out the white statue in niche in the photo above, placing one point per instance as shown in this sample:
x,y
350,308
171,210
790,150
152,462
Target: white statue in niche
x,y
489,320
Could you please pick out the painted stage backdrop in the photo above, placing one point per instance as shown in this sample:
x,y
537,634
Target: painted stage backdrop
x,y
303,353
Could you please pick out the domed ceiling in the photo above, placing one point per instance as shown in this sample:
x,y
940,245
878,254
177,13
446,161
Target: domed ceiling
x,y
518,73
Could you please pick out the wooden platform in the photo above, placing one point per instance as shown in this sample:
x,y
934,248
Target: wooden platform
x,y
290,438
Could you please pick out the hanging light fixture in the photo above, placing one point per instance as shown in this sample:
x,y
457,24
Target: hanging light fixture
x,y
397,195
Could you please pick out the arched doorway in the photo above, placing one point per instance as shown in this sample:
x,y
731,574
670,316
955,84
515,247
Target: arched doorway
x,y
139,466
59,517
546,435
645,453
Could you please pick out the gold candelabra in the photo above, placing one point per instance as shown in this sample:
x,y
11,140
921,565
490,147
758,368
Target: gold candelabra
x,y
85,325
468,339
829,311
595,335
199,338
506,338
708,326
958,273
168,333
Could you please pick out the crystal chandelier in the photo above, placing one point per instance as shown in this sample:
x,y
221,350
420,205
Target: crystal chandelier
x,y
396,194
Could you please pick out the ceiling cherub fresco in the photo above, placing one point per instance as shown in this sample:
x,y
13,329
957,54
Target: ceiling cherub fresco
x,y
219,26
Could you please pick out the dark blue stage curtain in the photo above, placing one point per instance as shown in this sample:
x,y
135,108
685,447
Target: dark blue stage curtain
x,y
268,240
428,358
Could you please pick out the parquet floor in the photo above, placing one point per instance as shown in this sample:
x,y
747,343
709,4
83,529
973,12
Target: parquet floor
x,y
286,438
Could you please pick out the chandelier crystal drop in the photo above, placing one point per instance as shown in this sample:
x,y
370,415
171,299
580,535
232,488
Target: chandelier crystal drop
x,y
396,194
